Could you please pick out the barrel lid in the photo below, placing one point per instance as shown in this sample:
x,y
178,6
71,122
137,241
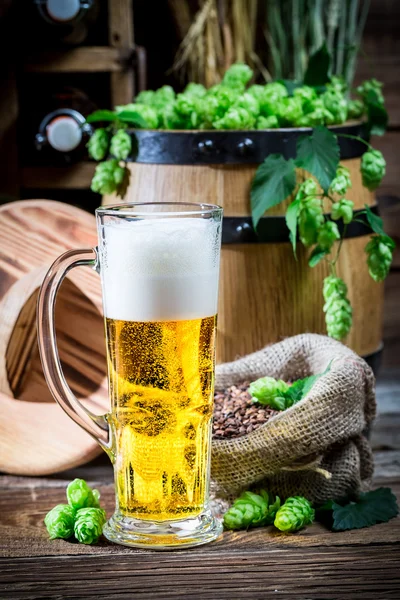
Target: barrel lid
x,y
63,10
64,134
235,147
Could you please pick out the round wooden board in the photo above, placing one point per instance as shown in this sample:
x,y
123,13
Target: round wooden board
x,y
36,436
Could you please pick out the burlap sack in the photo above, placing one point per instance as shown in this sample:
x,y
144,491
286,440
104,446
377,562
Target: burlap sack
x,y
316,447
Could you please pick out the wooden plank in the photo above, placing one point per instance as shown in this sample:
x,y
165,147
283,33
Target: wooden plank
x,y
78,176
367,573
22,533
121,36
87,59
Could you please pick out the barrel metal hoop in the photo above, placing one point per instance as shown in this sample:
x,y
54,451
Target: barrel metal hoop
x,y
235,147
273,230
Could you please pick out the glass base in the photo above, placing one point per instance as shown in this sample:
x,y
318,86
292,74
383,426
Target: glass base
x,y
163,535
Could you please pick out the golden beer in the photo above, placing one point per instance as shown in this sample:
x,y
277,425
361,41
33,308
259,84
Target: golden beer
x,y
159,267
161,377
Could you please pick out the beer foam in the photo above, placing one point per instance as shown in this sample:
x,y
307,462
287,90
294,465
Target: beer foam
x,y
160,269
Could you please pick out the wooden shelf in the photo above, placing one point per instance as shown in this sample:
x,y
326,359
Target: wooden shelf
x,y
77,176
89,59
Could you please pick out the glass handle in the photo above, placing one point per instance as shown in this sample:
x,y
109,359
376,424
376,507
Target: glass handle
x,y
97,426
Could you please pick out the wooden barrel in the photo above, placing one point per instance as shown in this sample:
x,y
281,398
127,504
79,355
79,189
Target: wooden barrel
x,y
265,294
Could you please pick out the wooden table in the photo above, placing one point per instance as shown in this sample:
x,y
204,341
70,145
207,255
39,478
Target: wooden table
x,y
258,564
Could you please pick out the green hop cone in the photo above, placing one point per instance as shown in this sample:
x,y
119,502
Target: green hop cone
x,y
337,84
270,391
103,178
98,144
196,90
237,76
89,525
148,113
319,116
379,256
249,103
60,521
328,234
80,495
145,97
162,97
235,118
256,90
290,111
335,102
121,145
306,94
372,85
343,210
267,122
355,109
337,308
311,219
251,510
342,181
309,187
108,176
271,97
294,514
373,169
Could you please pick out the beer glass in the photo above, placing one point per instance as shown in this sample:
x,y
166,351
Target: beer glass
x,y
159,266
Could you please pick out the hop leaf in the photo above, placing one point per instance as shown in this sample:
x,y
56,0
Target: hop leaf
x,y
294,514
98,144
80,495
337,307
343,210
121,145
378,506
373,169
380,253
251,510
147,115
342,181
89,525
327,235
270,391
60,521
